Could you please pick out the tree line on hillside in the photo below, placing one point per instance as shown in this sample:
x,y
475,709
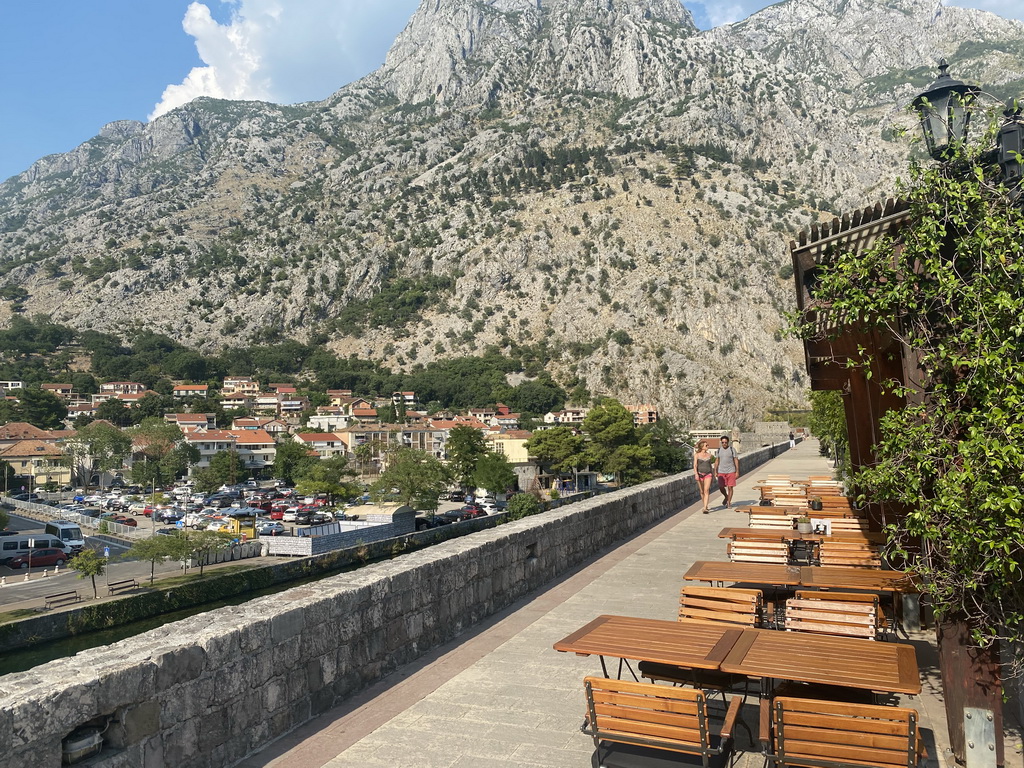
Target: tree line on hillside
x,y
36,351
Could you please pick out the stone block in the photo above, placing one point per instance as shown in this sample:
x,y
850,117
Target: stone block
x,y
178,665
180,743
186,701
141,722
231,680
275,694
214,731
287,625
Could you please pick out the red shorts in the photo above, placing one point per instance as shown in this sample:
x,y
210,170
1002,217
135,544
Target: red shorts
x,y
726,479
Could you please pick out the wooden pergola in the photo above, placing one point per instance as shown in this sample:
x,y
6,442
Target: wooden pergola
x,y
847,356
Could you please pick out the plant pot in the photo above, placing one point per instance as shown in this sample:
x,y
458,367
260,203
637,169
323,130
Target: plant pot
x,y
815,504
803,527
765,502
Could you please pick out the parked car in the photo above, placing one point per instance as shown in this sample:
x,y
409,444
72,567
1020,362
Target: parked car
x,y
472,510
321,517
131,522
290,515
430,521
270,528
28,497
40,557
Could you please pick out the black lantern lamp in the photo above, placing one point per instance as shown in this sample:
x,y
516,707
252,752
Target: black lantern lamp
x,y
1010,144
945,111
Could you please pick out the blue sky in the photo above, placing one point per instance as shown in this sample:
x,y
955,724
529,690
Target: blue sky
x,y
67,67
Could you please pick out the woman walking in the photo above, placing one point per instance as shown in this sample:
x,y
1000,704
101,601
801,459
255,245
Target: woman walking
x,y
704,469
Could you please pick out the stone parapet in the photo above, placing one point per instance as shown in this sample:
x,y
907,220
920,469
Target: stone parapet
x,y
210,689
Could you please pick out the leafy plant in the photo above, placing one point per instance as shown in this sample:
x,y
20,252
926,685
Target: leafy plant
x,y
953,294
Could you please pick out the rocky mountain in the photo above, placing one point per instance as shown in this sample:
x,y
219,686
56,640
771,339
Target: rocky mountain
x,y
595,178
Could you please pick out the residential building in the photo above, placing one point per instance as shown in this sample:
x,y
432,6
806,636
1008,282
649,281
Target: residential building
x,y
326,444
328,420
16,431
273,427
240,385
192,420
38,462
643,414
209,443
191,390
122,388
236,401
404,398
257,450
9,385
364,415
63,391
568,417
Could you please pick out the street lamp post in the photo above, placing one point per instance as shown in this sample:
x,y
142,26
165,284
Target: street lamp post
x,y
945,114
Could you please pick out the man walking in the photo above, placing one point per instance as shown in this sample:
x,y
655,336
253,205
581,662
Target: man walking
x,y
728,468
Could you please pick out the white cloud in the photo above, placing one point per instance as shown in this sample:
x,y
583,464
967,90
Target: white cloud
x,y
726,13
285,51
1008,9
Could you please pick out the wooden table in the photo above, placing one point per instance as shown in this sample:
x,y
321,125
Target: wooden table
x,y
690,644
788,534
810,658
870,579
746,573
812,576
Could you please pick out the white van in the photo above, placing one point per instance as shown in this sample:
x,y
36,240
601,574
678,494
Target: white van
x,y
16,546
69,533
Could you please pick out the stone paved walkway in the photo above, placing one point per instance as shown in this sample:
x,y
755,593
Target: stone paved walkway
x,y
503,697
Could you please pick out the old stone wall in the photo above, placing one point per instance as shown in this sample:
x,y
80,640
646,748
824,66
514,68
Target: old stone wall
x,y
208,690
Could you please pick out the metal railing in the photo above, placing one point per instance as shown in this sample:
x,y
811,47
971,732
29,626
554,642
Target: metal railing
x,y
44,513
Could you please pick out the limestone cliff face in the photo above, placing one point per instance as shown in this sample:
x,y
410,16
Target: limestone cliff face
x,y
467,53
594,178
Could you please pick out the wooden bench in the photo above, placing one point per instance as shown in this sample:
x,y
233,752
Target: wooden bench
x,y
125,584
58,598
631,721
759,552
833,616
849,553
855,524
801,732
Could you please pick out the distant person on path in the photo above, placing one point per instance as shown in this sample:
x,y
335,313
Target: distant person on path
x,y
704,470
792,441
728,469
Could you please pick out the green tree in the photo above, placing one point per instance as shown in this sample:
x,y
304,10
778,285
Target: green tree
x,y
332,476
671,456
494,473
560,448
97,446
155,549
201,544
226,467
88,563
5,520
953,295
828,424
523,505
114,411
291,459
205,480
41,408
464,447
614,444
412,477
161,453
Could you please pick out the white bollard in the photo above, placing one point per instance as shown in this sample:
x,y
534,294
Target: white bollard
x,y
56,570
26,575
3,581
45,573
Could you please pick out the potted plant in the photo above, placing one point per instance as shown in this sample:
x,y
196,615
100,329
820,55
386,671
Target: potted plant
x,y
765,502
803,524
815,503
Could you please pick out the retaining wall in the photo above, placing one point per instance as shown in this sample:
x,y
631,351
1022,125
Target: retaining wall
x,y
208,690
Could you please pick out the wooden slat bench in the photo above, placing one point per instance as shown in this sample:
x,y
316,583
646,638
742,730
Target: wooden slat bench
x,y
885,619
763,520
803,732
125,584
629,721
60,598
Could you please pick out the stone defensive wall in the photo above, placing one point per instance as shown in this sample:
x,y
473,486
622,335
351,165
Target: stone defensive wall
x,y
209,690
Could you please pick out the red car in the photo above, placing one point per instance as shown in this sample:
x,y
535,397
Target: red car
x,y
129,521
472,510
276,514
40,557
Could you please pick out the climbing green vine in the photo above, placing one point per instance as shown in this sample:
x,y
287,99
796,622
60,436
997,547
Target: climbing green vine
x,y
950,286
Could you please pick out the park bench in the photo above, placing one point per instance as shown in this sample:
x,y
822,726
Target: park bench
x,y
630,721
801,732
125,584
59,598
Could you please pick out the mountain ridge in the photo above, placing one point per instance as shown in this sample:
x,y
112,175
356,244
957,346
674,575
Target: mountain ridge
x,y
630,213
